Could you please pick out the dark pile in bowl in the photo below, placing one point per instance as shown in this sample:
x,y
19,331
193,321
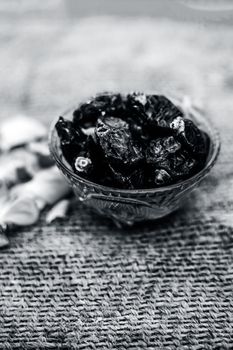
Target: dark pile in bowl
x,y
132,141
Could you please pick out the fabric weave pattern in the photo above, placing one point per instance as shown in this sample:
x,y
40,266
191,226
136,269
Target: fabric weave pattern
x,y
83,283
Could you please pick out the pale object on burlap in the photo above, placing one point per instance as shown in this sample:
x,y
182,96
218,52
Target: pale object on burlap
x,y
85,283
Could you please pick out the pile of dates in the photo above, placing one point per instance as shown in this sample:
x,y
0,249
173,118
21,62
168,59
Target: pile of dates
x,y
132,141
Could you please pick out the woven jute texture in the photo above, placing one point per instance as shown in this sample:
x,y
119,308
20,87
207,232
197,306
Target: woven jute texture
x,y
83,283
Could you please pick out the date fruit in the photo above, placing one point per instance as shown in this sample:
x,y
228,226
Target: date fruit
x,y
72,139
132,141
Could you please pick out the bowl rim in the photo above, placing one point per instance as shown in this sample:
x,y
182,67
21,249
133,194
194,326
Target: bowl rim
x,y
194,111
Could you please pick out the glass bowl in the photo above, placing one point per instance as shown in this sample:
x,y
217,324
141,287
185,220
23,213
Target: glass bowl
x,y
131,206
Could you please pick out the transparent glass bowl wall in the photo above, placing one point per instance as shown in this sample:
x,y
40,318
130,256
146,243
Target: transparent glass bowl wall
x,y
131,206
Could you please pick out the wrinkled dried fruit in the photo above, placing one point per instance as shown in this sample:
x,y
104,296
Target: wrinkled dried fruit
x,y
114,137
182,165
106,104
132,141
135,105
72,140
129,179
159,150
165,112
162,177
192,138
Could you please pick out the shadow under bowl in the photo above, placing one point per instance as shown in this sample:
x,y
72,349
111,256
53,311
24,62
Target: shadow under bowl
x,y
126,207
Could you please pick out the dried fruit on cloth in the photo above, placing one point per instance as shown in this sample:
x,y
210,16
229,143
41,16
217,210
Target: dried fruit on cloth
x,y
132,141
118,146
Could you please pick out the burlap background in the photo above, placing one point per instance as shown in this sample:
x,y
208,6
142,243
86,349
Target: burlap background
x,y
84,284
